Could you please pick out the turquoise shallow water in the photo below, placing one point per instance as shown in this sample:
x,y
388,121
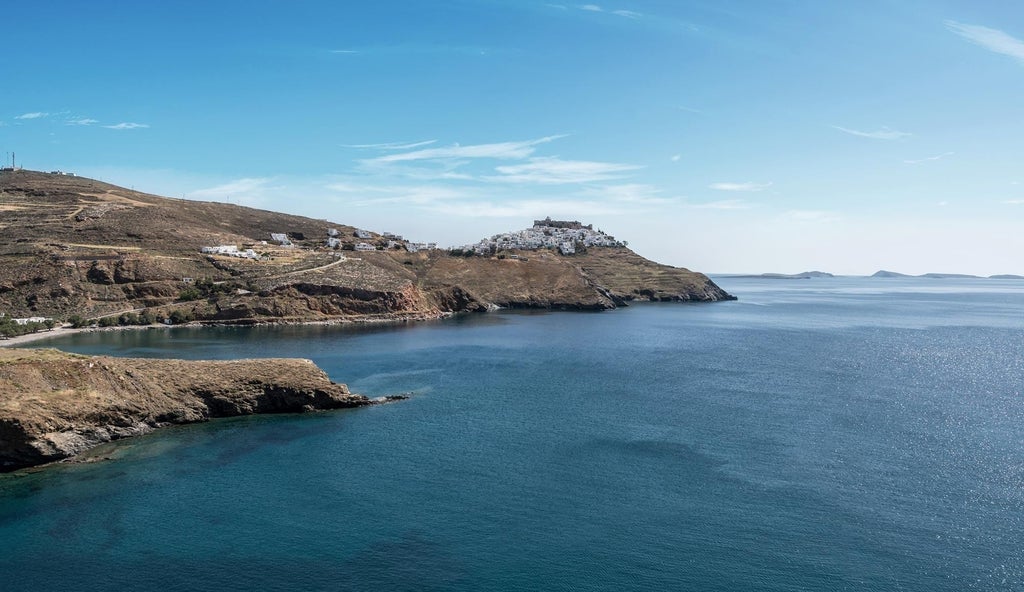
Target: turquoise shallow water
x,y
815,435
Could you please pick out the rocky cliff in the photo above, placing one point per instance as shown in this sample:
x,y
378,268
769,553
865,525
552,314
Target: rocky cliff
x,y
54,405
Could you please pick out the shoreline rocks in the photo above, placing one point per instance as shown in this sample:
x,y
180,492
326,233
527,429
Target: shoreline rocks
x,y
55,405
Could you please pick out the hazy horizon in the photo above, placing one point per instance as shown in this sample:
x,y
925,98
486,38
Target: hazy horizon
x,y
725,137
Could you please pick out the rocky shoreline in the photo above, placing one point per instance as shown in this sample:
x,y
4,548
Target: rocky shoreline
x,y
56,405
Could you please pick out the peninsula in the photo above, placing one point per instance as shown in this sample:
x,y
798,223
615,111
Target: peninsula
x,y
75,249
55,405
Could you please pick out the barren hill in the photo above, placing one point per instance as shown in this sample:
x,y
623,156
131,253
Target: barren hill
x,y
54,405
75,246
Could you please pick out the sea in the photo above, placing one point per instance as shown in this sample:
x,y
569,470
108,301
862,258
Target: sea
x,y
824,434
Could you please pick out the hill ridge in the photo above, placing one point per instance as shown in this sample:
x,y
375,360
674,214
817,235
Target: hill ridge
x,y
72,246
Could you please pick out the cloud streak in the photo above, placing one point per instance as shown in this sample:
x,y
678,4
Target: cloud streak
x,y
498,150
390,145
991,39
246,185
595,8
884,133
555,171
748,186
631,193
929,158
127,126
725,204
82,121
33,115
812,216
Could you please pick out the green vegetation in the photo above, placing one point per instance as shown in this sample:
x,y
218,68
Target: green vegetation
x,y
10,328
178,316
146,317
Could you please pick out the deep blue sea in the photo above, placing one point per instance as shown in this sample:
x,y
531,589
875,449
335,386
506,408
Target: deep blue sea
x,y
825,434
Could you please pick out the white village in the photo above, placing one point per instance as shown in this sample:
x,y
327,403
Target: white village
x,y
566,236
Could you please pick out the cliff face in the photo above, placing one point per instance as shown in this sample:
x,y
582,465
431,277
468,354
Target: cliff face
x,y
55,405
602,278
75,246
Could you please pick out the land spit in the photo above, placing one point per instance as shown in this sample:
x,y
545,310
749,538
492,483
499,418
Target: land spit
x,y
55,405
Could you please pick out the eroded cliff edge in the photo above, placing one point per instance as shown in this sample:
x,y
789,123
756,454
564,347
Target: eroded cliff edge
x,y
54,405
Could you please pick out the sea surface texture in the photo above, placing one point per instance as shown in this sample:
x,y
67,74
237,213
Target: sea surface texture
x,y
824,434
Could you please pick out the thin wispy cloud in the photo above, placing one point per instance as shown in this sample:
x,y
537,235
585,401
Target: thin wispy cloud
x,y
812,216
929,158
83,121
498,150
242,186
884,133
555,171
1015,202
457,162
991,39
676,157
390,145
623,13
33,115
748,186
725,204
631,193
526,209
419,195
127,126
422,49
481,202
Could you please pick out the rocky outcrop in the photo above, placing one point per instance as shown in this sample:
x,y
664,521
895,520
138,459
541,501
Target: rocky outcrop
x,y
54,405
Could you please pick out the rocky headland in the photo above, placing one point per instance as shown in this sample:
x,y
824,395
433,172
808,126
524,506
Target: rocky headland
x,y
73,248
55,405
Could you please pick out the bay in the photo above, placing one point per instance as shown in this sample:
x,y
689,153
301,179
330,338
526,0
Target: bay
x,y
827,434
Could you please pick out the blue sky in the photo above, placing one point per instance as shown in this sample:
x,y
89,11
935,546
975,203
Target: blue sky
x,y
741,136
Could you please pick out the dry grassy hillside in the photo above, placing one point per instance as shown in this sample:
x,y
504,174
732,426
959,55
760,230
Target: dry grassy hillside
x,y
74,246
54,405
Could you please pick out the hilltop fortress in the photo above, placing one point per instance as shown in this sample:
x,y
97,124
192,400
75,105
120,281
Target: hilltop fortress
x,y
569,237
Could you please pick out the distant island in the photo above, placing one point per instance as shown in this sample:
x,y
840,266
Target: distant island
x,y
804,275
878,274
892,274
